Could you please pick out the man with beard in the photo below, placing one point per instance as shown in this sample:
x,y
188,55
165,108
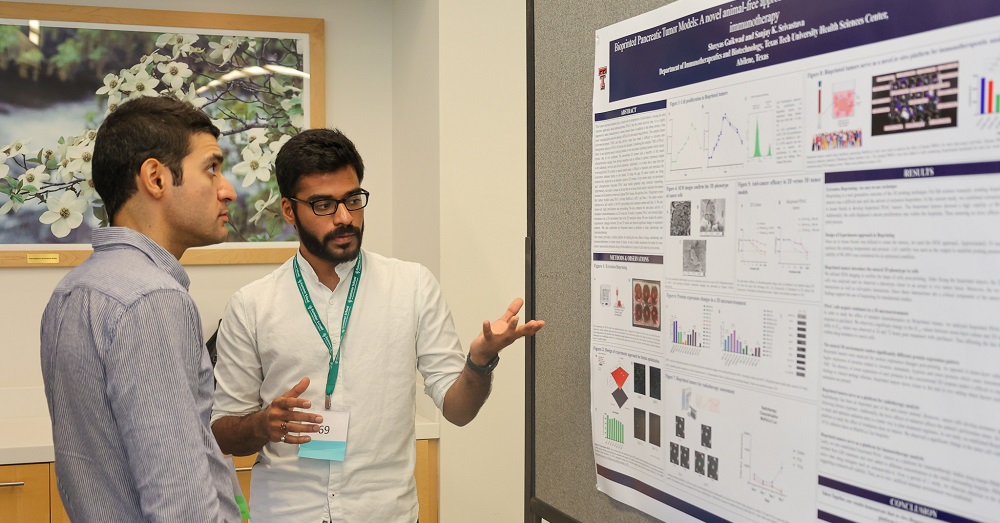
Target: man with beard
x,y
331,412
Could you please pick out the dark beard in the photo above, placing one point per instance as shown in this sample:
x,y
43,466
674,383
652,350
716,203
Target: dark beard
x,y
318,248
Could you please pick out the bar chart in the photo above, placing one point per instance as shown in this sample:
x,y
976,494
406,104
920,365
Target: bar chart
x,y
614,430
989,101
733,343
690,333
688,337
984,99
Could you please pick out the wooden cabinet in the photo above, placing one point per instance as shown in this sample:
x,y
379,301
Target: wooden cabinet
x,y
24,493
426,474
58,511
38,498
427,479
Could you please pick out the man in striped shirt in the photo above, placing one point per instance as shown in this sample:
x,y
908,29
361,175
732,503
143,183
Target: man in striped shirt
x,y
127,378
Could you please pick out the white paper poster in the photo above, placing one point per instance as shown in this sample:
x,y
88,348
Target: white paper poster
x,y
796,261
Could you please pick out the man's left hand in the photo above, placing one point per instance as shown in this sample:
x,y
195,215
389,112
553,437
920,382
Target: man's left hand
x,y
501,333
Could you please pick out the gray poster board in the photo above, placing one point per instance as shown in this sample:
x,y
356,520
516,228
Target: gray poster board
x,y
560,478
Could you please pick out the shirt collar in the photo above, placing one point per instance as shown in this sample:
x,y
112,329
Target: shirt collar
x,y
344,270
110,238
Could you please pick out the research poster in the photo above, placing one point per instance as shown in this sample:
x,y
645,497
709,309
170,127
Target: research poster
x,y
796,261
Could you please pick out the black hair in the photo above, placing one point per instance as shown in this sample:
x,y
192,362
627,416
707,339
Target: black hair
x,y
315,151
148,127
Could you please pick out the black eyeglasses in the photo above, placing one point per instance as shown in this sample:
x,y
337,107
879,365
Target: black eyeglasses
x,y
328,206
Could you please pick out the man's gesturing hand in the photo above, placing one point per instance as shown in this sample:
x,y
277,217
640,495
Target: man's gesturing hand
x,y
501,333
279,418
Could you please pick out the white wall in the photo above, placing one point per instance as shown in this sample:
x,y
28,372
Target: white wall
x,y
416,224
459,138
483,224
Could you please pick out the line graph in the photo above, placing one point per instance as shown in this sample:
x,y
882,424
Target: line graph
x,y
778,236
790,251
727,142
686,143
766,482
751,250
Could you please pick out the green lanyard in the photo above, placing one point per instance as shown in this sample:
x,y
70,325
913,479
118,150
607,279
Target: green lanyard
x,y
331,377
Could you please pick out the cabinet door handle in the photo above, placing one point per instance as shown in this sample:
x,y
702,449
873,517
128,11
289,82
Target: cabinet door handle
x,y
244,469
12,484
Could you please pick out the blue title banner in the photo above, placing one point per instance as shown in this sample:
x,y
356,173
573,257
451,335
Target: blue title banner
x,y
630,258
914,172
897,503
749,34
629,111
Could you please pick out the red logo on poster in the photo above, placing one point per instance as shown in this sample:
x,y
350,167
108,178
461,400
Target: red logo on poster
x,y
602,73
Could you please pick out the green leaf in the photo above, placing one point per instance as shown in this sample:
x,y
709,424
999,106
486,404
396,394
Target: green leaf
x,y
101,214
30,189
67,54
274,225
19,198
276,86
30,57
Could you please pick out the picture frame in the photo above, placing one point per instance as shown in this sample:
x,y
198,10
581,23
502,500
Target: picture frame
x,y
226,43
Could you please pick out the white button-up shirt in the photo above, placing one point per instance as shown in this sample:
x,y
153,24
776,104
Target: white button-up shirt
x,y
267,343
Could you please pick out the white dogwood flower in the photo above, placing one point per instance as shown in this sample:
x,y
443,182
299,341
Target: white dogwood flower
x,y
174,74
18,147
80,159
224,49
46,154
192,98
262,205
65,213
222,124
87,189
139,84
255,165
276,145
258,136
114,102
147,60
180,42
65,173
10,205
112,83
34,176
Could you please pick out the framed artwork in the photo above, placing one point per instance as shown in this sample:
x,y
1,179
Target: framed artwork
x,y
64,68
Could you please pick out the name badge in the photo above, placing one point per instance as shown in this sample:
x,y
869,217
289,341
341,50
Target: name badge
x,y
330,443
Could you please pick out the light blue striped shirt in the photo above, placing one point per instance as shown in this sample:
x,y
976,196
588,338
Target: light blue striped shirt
x,y
129,388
